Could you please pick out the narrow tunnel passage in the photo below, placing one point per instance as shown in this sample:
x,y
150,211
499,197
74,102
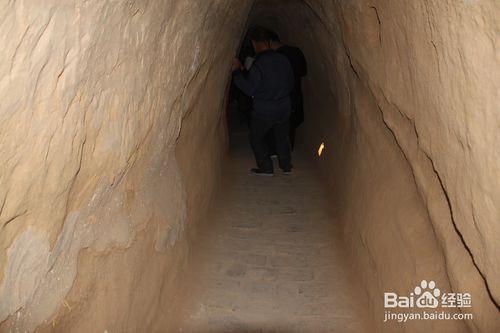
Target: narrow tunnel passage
x,y
114,142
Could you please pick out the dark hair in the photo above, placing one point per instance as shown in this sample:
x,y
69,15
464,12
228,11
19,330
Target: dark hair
x,y
274,37
259,34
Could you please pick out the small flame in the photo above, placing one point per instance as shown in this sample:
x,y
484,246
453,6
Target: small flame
x,y
320,149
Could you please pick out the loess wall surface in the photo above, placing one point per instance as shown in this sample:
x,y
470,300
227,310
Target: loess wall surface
x,y
405,96
111,136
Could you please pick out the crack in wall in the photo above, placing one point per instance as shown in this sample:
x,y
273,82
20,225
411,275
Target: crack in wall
x,y
466,246
379,25
445,193
446,196
452,218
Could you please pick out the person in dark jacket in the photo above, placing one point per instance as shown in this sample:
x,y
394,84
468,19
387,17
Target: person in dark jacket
x,y
270,82
299,66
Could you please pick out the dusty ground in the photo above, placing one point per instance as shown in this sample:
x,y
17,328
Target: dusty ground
x,y
273,259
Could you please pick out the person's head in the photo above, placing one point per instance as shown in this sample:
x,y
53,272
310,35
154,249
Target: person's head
x,y
261,38
275,40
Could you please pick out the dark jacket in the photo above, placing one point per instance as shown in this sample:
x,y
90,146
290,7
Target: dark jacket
x,y
270,82
299,67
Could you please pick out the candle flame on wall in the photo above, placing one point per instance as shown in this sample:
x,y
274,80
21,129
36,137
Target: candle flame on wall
x,y
320,149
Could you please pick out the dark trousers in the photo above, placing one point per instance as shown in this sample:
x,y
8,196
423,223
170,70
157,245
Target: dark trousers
x,y
295,121
291,136
271,141
258,131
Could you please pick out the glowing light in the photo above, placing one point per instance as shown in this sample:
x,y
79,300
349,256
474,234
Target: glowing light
x,y
320,149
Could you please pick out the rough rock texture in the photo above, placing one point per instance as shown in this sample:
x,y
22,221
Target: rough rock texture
x,y
405,96
100,169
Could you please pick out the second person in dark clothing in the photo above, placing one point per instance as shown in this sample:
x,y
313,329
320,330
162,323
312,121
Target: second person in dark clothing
x,y
270,82
299,67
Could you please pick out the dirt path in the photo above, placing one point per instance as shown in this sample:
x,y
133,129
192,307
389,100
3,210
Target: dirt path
x,y
273,259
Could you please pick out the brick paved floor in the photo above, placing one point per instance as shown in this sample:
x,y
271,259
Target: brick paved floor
x,y
273,259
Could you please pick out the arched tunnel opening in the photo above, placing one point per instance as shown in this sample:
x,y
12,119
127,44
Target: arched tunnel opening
x,y
125,199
